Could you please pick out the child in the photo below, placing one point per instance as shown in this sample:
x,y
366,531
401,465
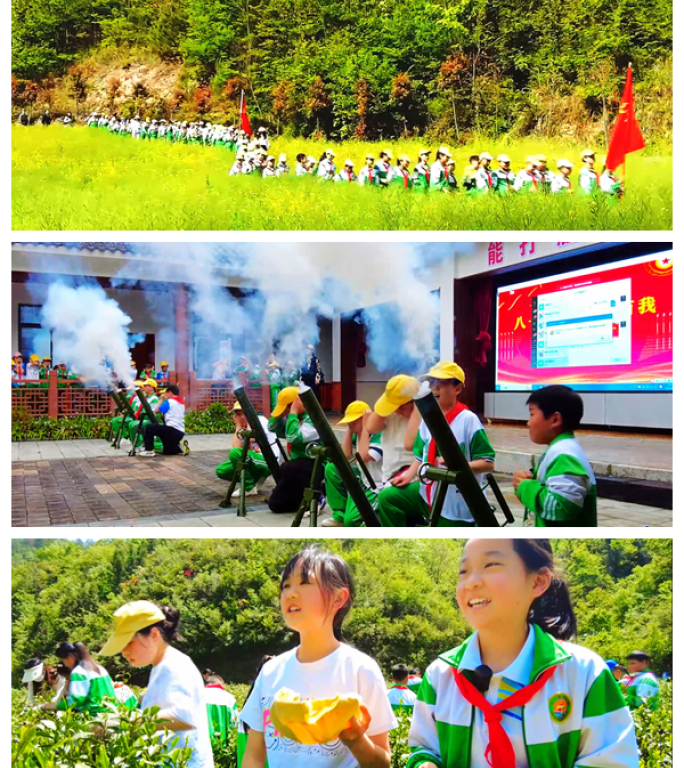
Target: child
x,y
515,693
409,501
640,685
562,489
316,594
469,173
356,439
400,696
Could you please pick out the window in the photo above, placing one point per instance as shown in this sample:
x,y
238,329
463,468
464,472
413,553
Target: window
x,y
33,338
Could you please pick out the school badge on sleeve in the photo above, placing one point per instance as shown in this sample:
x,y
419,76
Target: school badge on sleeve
x,y
560,707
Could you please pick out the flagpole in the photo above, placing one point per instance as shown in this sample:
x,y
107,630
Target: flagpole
x,y
242,96
624,166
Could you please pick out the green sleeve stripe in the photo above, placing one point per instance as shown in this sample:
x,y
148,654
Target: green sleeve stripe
x,y
480,447
419,447
426,693
420,756
604,696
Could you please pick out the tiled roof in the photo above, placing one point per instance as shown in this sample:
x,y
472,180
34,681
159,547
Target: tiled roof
x,y
102,247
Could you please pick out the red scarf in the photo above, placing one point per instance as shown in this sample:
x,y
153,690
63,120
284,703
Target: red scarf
x,y
177,399
489,178
405,175
499,752
427,175
215,685
432,447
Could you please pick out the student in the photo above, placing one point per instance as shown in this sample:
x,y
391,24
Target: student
x,y
282,169
469,173
400,696
390,417
408,503
562,489
326,166
33,368
543,174
400,173
143,634
383,168
414,680
451,175
90,685
290,421
256,468
368,173
505,178
618,672
588,178
561,181
640,685
222,711
300,168
136,429
134,402
316,594
347,173
438,171
485,180
163,374
421,171
526,180
517,692
171,432
356,439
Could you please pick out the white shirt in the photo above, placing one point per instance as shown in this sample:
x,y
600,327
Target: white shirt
x,y
176,686
501,686
401,697
175,415
394,455
345,670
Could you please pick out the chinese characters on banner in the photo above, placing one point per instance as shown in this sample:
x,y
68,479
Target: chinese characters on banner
x,y
499,254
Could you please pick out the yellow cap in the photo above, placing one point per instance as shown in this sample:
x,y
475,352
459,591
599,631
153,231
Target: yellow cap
x,y
150,383
163,363
399,390
34,359
286,397
139,383
446,370
354,411
133,364
128,620
236,407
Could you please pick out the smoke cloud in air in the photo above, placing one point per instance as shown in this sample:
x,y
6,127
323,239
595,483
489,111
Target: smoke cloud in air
x,y
89,333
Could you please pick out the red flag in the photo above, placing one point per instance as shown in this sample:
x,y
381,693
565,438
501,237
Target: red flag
x,y
626,136
244,117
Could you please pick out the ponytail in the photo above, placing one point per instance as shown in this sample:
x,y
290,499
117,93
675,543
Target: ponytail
x,y
553,610
168,628
80,652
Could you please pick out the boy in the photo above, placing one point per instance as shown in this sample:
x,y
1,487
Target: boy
x,y
356,438
289,420
526,180
561,181
588,178
640,686
409,501
485,180
562,489
505,178
421,171
469,173
383,168
256,468
400,696
368,173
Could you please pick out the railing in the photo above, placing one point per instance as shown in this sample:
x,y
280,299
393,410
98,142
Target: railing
x,y
56,398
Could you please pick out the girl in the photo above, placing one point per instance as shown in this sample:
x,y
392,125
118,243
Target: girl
x,y
89,684
515,694
316,593
143,634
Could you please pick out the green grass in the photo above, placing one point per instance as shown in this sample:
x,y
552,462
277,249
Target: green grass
x,y
87,179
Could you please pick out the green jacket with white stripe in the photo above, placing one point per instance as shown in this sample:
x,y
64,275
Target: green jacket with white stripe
x,y
594,729
88,691
563,489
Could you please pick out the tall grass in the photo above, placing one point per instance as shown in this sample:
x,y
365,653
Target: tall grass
x,y
81,178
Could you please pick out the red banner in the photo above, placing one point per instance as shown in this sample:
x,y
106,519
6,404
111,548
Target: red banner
x,y
626,136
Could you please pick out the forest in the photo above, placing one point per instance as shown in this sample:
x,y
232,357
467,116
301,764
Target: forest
x,y
405,609
359,69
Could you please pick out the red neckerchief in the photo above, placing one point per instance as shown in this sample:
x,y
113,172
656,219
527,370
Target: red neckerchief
x,y
489,177
432,447
177,399
215,685
404,173
349,175
402,687
427,175
499,752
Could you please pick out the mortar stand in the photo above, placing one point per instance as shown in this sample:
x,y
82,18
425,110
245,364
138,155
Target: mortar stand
x,y
312,494
239,475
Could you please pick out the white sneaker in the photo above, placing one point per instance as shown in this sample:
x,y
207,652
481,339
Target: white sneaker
x,y
306,515
251,492
330,522
125,441
146,453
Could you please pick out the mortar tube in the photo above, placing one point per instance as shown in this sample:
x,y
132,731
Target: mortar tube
x,y
151,415
455,460
259,435
336,455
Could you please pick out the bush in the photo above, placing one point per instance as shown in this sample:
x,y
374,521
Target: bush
x,y
216,419
56,739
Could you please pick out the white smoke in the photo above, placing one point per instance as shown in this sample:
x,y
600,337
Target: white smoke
x,y
89,333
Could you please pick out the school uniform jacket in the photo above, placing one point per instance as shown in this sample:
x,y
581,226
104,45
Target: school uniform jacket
x,y
578,719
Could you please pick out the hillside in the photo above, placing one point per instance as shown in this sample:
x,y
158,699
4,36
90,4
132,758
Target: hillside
x,y
355,70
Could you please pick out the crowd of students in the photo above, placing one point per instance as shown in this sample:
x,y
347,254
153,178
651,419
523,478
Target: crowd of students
x,y
421,174
563,702
394,441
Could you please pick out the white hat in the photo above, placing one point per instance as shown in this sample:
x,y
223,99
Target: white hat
x,y
283,157
33,674
485,156
270,157
349,162
329,152
504,159
565,164
444,151
311,159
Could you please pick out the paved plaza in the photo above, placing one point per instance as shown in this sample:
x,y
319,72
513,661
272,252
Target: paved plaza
x,y
88,483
